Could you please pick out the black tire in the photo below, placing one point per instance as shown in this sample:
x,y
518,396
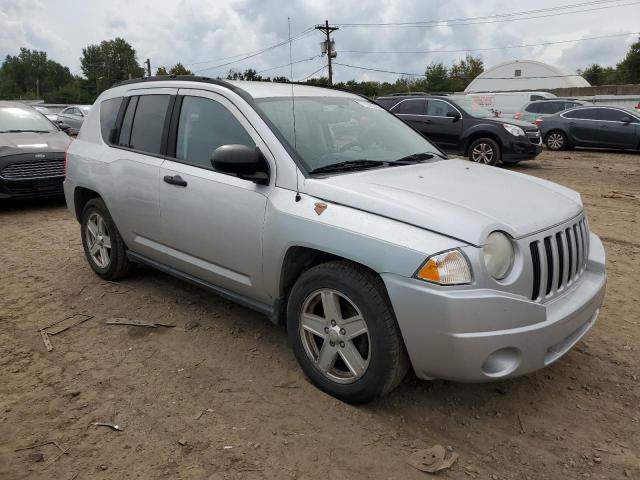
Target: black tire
x,y
388,361
556,140
485,151
118,265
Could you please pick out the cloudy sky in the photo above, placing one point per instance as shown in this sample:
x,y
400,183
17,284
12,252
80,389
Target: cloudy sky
x,y
203,34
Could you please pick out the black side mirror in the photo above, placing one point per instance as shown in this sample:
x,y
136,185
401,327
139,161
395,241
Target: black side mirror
x,y
455,115
64,127
625,119
245,162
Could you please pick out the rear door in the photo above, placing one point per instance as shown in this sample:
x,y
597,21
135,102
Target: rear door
x,y
134,162
444,130
616,133
212,222
583,126
412,111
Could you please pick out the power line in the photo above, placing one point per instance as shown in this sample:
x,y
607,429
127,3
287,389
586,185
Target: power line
x,y
288,64
407,74
299,36
313,73
488,48
491,18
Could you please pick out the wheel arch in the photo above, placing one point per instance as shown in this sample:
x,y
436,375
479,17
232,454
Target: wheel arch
x,y
481,134
81,197
297,260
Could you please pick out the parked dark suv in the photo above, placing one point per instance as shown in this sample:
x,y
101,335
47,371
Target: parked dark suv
x,y
457,125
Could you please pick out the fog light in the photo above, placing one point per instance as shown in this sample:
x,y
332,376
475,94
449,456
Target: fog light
x,y
501,362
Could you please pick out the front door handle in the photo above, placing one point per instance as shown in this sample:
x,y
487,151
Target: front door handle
x,y
175,180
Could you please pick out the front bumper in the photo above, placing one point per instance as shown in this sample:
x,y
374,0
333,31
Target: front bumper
x,y
467,335
517,150
40,187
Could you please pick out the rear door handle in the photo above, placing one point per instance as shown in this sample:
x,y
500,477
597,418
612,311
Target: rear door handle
x,y
175,180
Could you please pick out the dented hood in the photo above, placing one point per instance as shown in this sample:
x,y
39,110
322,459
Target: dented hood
x,y
457,198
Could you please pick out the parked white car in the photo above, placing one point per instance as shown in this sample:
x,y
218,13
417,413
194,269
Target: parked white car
x,y
507,104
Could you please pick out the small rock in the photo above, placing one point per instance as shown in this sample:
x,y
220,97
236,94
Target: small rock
x,y
597,460
103,467
36,457
182,442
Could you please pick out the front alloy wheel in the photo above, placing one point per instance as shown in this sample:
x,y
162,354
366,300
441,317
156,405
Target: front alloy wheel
x,y
483,153
344,333
335,336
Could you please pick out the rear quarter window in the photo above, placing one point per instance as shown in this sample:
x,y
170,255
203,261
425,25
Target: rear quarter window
x,y
108,116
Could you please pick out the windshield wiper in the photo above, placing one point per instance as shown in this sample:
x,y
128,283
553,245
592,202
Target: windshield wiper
x,y
414,158
349,165
25,131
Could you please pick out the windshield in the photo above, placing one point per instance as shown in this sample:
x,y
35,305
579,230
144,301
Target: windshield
x,y
23,119
335,130
470,106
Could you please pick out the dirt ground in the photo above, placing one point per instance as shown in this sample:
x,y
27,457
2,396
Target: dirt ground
x,y
221,396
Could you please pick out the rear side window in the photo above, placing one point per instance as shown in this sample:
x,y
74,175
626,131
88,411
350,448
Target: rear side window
x,y
534,108
204,126
108,116
411,107
148,123
584,114
533,98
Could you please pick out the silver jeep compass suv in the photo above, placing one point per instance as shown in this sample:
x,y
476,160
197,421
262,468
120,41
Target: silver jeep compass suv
x,y
325,212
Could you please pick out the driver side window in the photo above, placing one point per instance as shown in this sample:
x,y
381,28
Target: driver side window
x,y
205,125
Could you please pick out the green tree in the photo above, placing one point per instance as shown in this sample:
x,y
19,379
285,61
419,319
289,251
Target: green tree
x,y
30,74
177,69
598,75
109,62
629,68
462,73
437,78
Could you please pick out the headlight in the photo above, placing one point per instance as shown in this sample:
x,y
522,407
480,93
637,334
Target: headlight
x,y
446,268
513,130
498,255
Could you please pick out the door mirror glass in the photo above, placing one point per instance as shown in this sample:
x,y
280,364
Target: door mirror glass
x,y
245,162
626,119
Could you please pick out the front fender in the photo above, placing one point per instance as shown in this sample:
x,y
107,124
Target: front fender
x,y
382,244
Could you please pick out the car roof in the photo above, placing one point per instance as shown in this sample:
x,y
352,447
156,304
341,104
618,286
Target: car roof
x,y
256,90
8,103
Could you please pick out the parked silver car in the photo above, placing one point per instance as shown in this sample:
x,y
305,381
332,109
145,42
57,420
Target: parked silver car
x,y
345,224
73,117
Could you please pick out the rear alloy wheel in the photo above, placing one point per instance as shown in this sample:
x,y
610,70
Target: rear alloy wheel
x,y
103,246
556,140
344,333
484,150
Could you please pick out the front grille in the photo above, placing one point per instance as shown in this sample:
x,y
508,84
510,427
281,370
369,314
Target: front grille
x,y
33,170
559,259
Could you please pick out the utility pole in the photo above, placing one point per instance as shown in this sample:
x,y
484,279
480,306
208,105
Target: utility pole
x,y
331,53
148,62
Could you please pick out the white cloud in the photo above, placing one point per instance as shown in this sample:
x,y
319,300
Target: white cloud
x,y
167,31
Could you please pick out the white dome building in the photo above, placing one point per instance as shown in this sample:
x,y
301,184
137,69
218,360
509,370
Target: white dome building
x,y
524,75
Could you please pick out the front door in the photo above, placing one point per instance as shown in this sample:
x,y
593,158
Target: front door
x,y
212,222
444,130
616,133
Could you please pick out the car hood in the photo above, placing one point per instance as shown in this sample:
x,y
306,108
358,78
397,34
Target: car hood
x,y
457,198
520,123
31,142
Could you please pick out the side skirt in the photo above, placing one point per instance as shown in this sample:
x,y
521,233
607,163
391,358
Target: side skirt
x,y
260,307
